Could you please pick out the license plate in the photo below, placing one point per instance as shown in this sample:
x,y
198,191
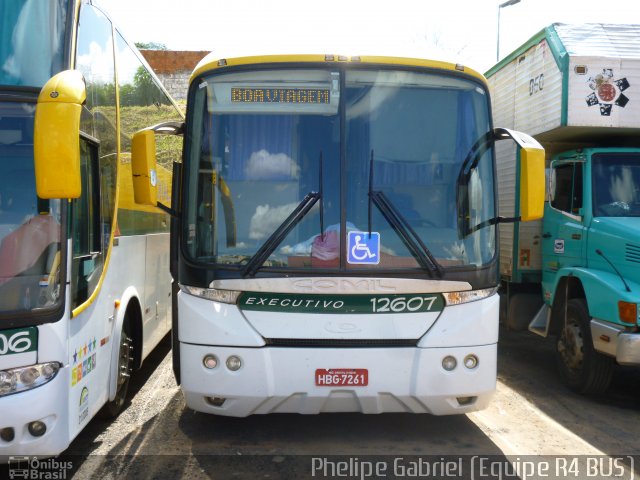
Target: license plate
x,y
339,377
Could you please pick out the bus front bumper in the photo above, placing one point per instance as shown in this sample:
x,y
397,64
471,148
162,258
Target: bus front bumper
x,y
407,379
46,404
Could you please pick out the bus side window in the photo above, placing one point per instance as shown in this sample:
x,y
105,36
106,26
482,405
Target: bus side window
x,y
85,224
95,209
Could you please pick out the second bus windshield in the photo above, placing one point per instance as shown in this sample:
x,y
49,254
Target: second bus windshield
x,y
261,140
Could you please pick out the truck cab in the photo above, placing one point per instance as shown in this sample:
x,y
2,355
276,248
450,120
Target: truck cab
x,y
590,257
574,275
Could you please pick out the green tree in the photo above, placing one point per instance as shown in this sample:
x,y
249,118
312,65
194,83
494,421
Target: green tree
x,y
151,46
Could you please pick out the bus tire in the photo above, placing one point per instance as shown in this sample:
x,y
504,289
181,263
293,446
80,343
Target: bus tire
x,y
113,408
581,367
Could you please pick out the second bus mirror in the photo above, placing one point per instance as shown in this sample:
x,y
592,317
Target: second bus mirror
x,y
143,167
531,182
56,140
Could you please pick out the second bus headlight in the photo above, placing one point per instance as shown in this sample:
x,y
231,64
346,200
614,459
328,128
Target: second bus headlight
x,y
221,296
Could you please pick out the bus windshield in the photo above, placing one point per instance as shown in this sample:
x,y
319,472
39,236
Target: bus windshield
x,y
379,150
29,227
31,41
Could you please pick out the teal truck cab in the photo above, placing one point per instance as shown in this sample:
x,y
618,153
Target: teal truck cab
x,y
575,275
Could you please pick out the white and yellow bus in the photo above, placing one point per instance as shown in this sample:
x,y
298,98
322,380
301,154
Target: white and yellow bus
x,y
84,281
336,235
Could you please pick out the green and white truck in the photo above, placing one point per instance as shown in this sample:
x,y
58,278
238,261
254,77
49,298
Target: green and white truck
x,y
575,274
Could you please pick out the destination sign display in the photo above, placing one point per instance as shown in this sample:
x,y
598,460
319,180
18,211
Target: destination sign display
x,y
280,95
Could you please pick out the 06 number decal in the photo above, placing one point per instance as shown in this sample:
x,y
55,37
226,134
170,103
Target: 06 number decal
x,y
17,343
402,304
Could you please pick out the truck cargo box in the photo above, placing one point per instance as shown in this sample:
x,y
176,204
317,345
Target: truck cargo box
x,y
569,86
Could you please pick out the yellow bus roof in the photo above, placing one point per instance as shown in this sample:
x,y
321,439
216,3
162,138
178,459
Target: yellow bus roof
x,y
213,61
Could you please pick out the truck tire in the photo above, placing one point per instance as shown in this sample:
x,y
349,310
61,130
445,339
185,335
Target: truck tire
x,y
581,367
112,408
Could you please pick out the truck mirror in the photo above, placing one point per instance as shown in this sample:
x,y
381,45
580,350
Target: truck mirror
x,y
56,140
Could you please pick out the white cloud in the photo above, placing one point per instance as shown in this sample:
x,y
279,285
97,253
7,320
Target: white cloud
x,y
97,65
267,219
263,165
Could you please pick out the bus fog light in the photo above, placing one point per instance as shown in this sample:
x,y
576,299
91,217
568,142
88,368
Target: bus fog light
x,y
449,363
471,361
7,434
37,428
210,361
234,363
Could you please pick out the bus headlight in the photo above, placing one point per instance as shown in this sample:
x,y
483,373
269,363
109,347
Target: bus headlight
x,y
457,298
25,378
221,296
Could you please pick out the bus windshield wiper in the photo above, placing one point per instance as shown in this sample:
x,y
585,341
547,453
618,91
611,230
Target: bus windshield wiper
x,y
280,233
402,227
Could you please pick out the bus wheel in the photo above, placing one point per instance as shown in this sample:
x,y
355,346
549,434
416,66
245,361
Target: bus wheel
x,y
125,365
581,367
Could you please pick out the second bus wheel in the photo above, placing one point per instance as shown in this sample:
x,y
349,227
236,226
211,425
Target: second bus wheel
x,y
581,367
125,365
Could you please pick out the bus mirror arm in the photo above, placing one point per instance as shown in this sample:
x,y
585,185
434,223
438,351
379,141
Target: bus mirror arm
x,y
169,210
168,128
531,176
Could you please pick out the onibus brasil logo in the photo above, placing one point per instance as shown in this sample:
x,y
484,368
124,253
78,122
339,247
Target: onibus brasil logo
x,y
607,91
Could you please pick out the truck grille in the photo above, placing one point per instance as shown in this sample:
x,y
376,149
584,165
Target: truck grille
x,y
632,253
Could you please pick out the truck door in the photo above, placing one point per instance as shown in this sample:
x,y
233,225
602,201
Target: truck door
x,y
563,229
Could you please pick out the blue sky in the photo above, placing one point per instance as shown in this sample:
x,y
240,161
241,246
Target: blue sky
x,y
463,31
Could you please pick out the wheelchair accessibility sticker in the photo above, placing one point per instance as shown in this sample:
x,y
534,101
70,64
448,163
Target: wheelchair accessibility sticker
x,y
363,249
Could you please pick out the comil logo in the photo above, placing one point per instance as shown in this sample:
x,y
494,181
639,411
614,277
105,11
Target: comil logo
x,y
607,91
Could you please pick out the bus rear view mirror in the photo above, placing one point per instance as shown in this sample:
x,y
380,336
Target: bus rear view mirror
x,y
532,179
531,183
143,167
56,141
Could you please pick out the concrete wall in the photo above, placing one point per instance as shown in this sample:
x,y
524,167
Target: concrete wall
x,y
173,68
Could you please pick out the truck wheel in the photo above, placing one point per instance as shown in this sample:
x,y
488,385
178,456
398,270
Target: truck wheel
x,y
581,367
125,362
